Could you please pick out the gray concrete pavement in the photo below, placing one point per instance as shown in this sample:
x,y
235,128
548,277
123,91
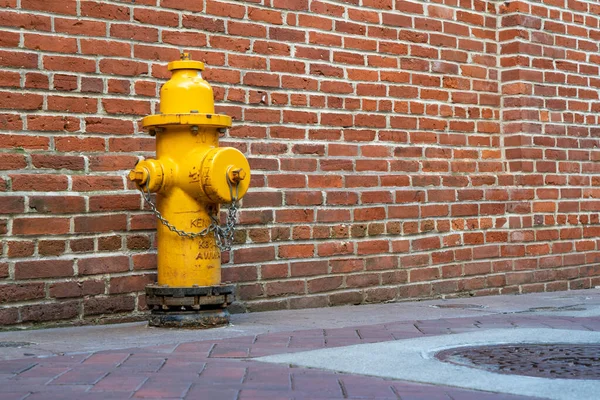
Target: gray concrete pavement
x,y
381,351
107,337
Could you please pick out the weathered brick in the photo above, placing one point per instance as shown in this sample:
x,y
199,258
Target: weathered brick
x,y
72,289
108,305
41,226
102,265
43,269
11,293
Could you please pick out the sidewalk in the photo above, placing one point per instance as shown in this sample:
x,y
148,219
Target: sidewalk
x,y
134,361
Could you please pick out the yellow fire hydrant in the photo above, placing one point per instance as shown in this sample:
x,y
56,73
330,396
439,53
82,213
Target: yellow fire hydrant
x,y
191,177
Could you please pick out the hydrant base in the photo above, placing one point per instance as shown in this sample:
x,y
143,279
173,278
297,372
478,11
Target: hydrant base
x,y
197,307
205,319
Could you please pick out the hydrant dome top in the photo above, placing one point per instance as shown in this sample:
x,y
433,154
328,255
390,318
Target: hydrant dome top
x,y
186,64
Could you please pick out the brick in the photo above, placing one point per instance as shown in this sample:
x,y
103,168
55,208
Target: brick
x,y
63,7
99,9
41,226
343,298
296,251
4,270
72,289
73,64
12,162
134,32
50,312
102,265
43,269
138,242
18,101
114,203
154,18
39,182
50,43
108,305
133,283
20,248
53,123
80,27
95,224
12,293
57,204
284,288
51,247
252,255
74,163
287,35
308,268
326,284
126,107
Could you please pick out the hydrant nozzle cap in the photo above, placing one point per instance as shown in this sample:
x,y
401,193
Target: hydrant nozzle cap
x,y
139,175
186,63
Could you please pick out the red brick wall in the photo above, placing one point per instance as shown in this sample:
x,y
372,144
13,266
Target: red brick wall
x,y
400,149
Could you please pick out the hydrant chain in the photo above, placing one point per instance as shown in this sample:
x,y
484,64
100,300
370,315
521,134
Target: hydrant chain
x,y
223,235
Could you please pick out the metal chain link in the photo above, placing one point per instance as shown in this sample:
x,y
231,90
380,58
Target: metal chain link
x,y
223,234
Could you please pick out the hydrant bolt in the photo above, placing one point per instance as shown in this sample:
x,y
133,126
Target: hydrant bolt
x,y
236,175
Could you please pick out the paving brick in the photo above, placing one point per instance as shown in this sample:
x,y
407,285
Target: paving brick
x,y
306,382
119,382
357,387
227,373
230,351
16,366
201,391
82,375
142,363
157,388
108,359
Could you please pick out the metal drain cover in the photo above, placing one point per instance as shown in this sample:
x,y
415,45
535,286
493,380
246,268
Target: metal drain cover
x,y
562,361
15,344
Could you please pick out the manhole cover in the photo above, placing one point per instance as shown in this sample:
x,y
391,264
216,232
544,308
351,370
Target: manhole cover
x,y
564,361
15,344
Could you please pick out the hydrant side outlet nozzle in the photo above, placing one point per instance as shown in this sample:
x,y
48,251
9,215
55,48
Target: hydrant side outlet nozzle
x,y
191,176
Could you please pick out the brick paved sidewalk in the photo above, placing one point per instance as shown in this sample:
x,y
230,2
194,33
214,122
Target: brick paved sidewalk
x,y
222,369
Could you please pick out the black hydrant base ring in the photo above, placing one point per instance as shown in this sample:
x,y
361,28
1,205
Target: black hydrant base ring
x,y
204,319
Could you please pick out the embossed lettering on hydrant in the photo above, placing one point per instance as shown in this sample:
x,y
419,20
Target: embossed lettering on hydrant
x,y
207,251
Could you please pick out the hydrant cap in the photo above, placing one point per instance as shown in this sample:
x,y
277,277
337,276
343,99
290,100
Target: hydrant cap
x,y
218,168
186,64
